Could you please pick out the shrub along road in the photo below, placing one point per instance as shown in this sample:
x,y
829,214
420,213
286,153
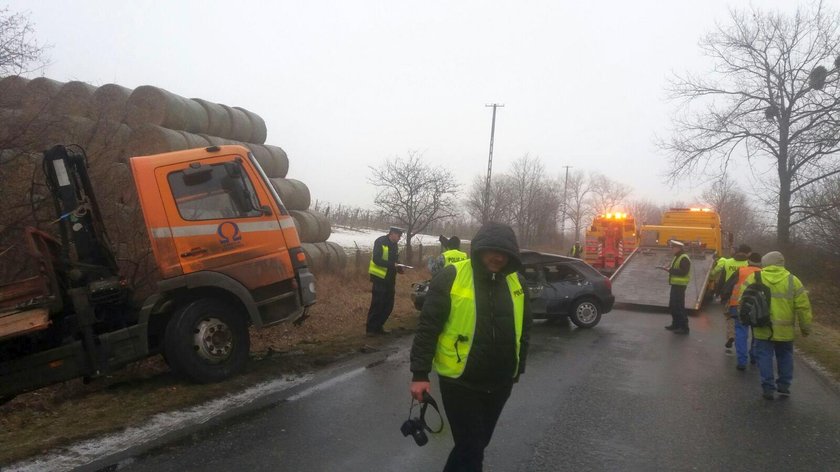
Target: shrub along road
x,y
627,395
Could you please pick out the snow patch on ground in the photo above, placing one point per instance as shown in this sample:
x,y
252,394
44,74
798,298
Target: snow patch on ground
x,y
350,238
85,452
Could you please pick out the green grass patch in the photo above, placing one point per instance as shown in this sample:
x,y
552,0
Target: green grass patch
x,y
823,345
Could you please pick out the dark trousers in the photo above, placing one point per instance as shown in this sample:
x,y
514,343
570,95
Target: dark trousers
x,y
472,416
679,317
381,304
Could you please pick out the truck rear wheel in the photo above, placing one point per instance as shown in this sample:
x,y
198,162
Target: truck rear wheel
x,y
207,341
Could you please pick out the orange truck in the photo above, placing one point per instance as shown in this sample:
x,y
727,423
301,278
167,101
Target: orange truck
x,y
611,238
640,281
226,249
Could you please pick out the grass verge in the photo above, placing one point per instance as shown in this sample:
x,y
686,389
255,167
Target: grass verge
x,y
56,416
823,345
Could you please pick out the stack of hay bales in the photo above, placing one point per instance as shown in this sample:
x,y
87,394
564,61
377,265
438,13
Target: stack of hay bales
x,y
113,123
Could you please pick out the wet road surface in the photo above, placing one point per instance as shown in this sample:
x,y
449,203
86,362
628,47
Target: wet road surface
x,y
626,395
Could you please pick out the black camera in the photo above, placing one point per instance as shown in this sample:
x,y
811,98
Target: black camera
x,y
417,427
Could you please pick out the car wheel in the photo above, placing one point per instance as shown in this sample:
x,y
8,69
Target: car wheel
x,y
207,341
586,313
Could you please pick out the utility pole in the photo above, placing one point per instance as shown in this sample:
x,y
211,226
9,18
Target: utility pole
x,y
486,215
565,206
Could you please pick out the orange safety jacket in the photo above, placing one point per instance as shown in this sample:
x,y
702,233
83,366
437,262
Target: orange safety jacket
x,y
743,273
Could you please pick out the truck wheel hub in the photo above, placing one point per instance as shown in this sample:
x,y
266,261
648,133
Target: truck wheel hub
x,y
213,340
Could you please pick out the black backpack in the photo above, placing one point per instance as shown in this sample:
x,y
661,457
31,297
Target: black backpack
x,y
755,304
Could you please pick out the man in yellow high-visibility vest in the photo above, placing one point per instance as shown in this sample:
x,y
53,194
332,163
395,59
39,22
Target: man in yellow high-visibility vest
x,y
383,270
679,274
473,330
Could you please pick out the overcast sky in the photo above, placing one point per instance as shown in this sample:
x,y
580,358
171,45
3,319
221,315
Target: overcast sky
x,y
344,85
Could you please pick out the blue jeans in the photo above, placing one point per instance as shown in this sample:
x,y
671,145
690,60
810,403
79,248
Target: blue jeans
x,y
783,350
742,336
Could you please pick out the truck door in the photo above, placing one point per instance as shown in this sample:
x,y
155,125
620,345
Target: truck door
x,y
220,221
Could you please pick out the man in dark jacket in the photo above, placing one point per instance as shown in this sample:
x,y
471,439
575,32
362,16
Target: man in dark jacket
x,y
383,271
474,330
679,274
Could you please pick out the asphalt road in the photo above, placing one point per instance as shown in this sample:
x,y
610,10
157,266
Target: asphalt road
x,y
626,395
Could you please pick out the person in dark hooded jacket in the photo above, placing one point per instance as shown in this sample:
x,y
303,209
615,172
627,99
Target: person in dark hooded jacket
x,y
473,330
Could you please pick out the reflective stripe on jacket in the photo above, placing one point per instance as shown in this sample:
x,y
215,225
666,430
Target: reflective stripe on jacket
x,y
455,341
452,256
378,270
679,279
789,301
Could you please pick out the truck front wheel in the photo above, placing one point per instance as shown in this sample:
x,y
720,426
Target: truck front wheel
x,y
207,341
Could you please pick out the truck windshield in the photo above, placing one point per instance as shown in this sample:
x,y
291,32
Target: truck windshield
x,y
216,195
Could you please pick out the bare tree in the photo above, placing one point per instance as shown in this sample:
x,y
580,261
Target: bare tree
x,y
606,195
758,103
413,193
823,230
737,216
500,197
534,201
19,50
644,212
577,195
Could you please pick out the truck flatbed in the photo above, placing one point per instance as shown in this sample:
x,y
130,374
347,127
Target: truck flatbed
x,y
639,281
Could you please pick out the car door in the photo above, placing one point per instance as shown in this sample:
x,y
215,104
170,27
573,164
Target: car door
x,y
568,283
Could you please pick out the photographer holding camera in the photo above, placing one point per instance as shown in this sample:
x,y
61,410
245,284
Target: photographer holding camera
x,y
474,330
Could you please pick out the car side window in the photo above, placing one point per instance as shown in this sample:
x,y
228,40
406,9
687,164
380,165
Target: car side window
x,y
217,191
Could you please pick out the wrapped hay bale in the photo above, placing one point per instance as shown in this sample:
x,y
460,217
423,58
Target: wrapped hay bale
x,y
313,254
108,141
339,262
12,89
109,102
151,139
240,125
197,119
156,106
313,226
270,165
75,99
258,128
218,118
10,125
294,193
194,140
38,95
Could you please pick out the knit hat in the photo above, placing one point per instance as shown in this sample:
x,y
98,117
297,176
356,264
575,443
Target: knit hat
x,y
773,258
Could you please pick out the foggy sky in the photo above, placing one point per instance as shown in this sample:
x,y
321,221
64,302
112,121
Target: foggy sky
x,y
344,85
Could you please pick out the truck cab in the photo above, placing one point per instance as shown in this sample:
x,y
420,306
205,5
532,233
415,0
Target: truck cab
x,y
213,218
611,238
227,253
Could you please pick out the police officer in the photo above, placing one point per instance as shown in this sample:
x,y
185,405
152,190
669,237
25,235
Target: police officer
x,y
576,251
453,252
679,274
473,330
383,271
